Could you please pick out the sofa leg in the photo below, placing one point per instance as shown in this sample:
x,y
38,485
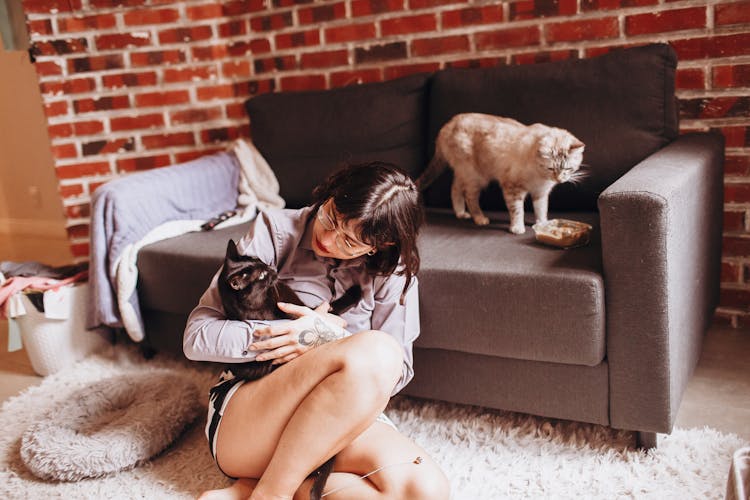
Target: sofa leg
x,y
645,440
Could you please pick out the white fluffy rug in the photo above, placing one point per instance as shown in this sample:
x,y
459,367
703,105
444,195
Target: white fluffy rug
x,y
486,454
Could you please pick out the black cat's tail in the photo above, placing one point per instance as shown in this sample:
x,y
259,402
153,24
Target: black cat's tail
x,y
346,301
321,476
436,167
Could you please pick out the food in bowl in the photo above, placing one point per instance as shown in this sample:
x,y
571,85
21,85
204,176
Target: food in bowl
x,y
562,233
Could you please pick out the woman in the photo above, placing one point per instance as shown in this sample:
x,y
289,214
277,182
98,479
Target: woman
x,y
328,395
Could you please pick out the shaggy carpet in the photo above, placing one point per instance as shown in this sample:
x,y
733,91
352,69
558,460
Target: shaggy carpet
x,y
486,454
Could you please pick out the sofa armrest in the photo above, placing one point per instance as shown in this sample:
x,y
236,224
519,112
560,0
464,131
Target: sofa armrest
x,y
124,210
661,249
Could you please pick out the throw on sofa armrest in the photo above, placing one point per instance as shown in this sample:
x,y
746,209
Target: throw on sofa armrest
x,y
124,210
661,248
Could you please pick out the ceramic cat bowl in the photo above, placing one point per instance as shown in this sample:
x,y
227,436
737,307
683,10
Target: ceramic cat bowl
x,y
562,233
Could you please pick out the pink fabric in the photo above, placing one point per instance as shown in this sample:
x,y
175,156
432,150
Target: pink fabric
x,y
35,283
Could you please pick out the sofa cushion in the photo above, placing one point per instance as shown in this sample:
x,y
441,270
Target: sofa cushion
x,y
174,273
621,105
305,136
486,291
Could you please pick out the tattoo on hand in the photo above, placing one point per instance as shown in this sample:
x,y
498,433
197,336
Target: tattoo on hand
x,y
319,334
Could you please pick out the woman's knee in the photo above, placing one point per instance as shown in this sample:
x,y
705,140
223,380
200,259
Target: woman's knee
x,y
427,483
375,355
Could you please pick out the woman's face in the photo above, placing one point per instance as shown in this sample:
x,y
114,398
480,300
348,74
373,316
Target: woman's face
x,y
332,237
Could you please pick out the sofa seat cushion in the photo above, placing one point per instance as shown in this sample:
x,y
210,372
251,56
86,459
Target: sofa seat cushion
x,y
486,291
174,273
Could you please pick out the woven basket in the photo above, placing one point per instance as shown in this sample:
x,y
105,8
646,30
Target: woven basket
x,y
53,344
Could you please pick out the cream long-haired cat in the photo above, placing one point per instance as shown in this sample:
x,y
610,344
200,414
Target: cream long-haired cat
x,y
523,159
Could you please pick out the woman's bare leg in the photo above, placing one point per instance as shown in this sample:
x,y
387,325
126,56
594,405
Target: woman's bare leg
x,y
282,427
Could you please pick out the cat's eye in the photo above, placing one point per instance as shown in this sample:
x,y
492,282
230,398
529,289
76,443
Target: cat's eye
x,y
262,275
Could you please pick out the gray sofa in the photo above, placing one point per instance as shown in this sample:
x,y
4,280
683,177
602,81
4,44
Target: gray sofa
x,y
608,333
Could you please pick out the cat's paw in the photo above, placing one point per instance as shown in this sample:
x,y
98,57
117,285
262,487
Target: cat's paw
x,y
463,215
481,220
517,229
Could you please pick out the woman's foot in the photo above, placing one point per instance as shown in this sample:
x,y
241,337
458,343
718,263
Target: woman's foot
x,y
240,490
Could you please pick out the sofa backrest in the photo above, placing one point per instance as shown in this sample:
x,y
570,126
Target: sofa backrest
x,y
305,136
621,105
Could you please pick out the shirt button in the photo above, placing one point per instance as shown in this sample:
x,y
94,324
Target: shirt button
x,y
244,353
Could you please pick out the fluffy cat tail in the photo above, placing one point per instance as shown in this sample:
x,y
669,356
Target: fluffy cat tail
x,y
436,167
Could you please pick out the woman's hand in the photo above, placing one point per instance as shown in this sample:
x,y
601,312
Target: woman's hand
x,y
311,328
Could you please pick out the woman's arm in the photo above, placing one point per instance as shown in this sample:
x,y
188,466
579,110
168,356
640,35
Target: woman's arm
x,y
399,321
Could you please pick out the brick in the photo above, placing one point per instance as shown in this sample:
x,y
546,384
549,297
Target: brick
x,y
735,297
233,28
123,40
89,127
512,37
471,16
78,211
731,272
234,69
665,21
78,231
254,87
55,108
349,32
712,46
157,58
534,9
73,86
235,111
352,77
302,82
222,134
85,23
590,29
159,141
195,115
60,130
82,170
116,3
274,63
737,192
48,68
690,79
60,47
184,35
102,147
194,155
95,63
321,14
129,80
190,74
271,22
79,250
142,163
735,165
162,98
369,7
406,25
544,56
715,107
47,6
732,13
239,49
103,103
289,3
422,4
70,190
735,136
378,53
326,59
477,62
444,45
142,17
64,151
260,46
210,53
151,120
734,221
409,69
201,12
39,27
735,246
215,92
298,39
731,76
594,5
241,7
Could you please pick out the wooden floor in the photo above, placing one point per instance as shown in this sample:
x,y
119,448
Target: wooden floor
x,y
717,396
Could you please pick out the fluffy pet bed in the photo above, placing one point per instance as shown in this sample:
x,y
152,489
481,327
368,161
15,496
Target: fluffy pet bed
x,y
110,426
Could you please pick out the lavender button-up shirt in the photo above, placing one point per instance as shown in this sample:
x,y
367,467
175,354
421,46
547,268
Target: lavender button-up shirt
x,y
283,239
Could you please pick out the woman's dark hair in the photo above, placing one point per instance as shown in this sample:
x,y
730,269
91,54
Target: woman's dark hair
x,y
385,203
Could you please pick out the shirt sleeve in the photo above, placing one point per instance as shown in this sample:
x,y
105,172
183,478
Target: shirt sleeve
x,y
399,321
208,335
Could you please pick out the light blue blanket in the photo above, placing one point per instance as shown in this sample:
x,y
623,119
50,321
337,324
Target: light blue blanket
x,y
124,210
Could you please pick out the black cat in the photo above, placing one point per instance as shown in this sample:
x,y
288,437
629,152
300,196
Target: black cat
x,y
250,290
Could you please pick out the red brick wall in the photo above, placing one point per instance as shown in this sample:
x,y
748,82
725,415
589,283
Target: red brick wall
x,y
138,84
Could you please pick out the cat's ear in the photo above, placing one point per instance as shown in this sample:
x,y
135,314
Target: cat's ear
x,y
577,145
232,252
